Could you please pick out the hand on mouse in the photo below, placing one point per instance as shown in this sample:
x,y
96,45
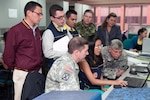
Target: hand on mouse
x,y
121,82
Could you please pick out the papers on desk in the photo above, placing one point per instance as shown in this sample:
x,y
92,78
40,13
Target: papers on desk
x,y
61,44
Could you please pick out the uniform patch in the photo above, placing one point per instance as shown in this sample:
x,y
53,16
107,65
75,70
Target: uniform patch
x,y
65,76
67,68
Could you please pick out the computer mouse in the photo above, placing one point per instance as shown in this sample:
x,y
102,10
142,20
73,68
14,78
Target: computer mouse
x,y
133,71
117,86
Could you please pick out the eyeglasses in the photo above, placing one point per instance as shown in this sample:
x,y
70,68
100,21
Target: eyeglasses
x,y
39,14
60,17
98,46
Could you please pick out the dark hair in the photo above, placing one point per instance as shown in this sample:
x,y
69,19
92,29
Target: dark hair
x,y
76,43
69,12
4,36
31,6
104,24
141,30
54,8
92,57
88,11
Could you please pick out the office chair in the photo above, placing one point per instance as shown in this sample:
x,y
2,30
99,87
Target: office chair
x,y
34,86
6,85
127,44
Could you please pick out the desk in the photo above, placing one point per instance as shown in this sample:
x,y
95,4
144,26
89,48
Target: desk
x,y
132,60
129,94
139,75
70,95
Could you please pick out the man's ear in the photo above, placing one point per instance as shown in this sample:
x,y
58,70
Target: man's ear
x,y
76,52
51,18
66,18
28,13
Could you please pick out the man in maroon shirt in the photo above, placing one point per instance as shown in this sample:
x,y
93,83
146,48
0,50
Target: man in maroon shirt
x,y
23,52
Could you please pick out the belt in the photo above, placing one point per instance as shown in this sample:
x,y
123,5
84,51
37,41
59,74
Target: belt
x,y
26,70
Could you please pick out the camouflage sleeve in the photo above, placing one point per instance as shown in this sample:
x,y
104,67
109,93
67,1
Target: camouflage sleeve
x,y
54,71
60,71
93,28
124,62
103,52
77,27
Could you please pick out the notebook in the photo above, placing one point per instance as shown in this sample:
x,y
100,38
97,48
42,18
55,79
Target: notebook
x,y
145,47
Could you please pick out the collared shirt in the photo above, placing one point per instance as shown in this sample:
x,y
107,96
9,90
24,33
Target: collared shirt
x,y
69,28
57,27
112,66
85,31
63,75
71,31
32,27
22,49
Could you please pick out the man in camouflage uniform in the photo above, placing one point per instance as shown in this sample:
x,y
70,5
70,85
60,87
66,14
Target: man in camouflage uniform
x,y
115,60
85,27
63,74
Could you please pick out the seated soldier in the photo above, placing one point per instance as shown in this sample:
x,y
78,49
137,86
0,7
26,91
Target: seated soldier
x,y
115,60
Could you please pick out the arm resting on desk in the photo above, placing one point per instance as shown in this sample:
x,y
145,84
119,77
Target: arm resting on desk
x,y
120,72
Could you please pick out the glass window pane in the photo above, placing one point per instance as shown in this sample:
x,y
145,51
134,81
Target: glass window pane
x,y
132,14
144,14
116,10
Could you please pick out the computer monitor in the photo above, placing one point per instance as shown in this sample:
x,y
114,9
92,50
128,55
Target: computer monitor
x,y
145,46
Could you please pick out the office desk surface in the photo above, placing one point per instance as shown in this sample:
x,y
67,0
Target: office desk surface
x,y
139,75
130,94
70,95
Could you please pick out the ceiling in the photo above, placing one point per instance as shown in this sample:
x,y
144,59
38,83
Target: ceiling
x,y
104,2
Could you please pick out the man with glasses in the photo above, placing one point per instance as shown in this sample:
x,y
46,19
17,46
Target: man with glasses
x,y
23,50
85,27
115,60
55,37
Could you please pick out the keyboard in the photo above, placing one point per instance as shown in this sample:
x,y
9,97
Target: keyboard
x,y
135,82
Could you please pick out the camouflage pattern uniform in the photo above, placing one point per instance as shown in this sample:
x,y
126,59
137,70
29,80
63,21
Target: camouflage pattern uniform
x,y
63,75
112,66
85,31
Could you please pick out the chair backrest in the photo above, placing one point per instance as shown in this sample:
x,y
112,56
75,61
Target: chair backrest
x,y
6,84
34,86
5,77
127,44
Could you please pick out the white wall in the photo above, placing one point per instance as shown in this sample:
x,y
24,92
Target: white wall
x,y
80,8
17,5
